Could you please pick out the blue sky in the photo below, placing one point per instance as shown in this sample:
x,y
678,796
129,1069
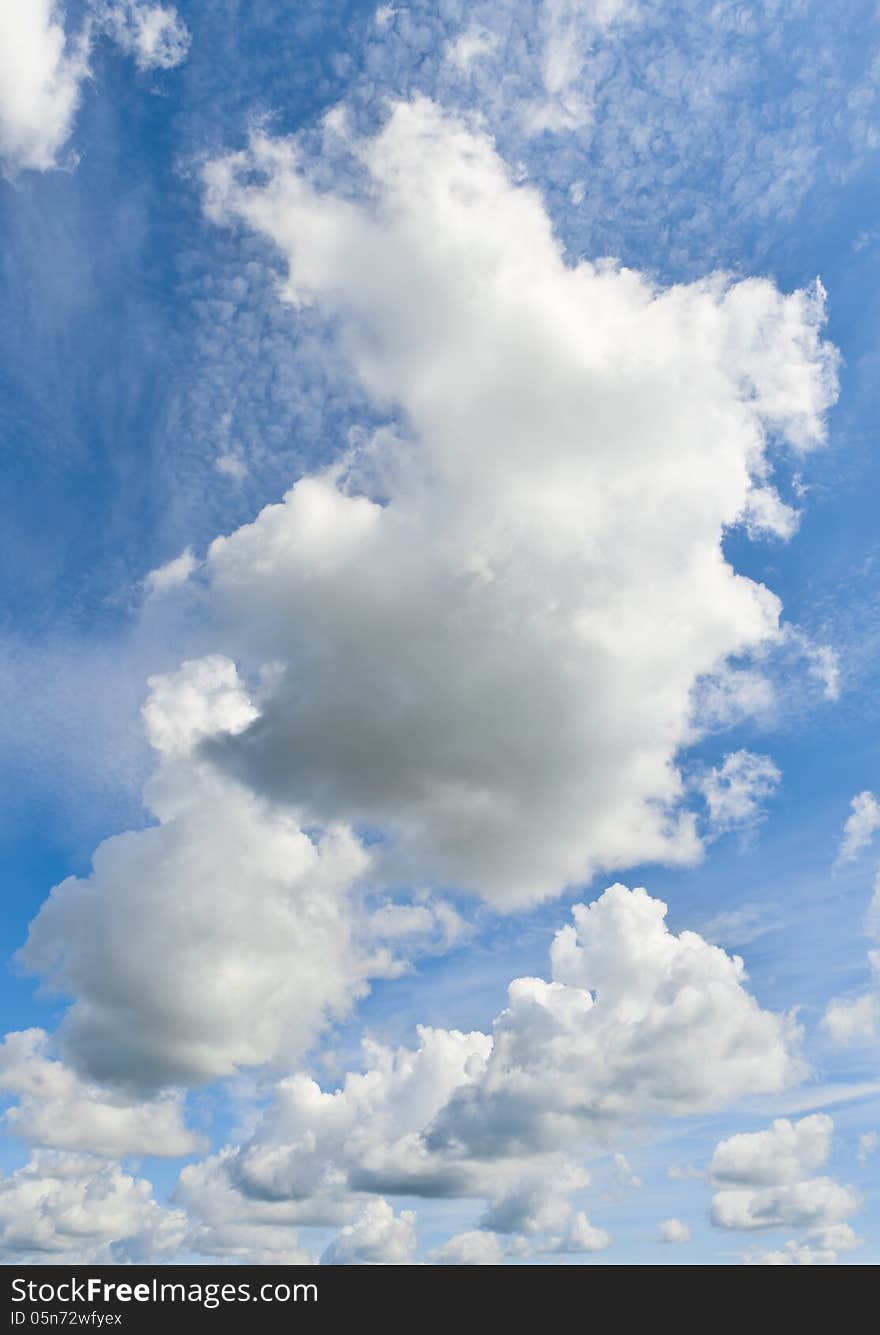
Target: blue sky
x,y
161,387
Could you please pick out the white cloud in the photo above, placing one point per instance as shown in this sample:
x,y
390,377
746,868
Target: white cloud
x,y
315,1147
430,924
493,627
57,1109
854,1021
624,1178
812,1203
819,1248
154,35
786,1152
477,1247
772,1189
231,465
582,1236
68,1208
735,790
204,697
731,695
221,936
526,1197
868,1144
319,555
823,664
41,69
226,1224
171,575
766,513
688,139
636,1022
674,1230
469,46
692,151
377,1237
629,965
861,825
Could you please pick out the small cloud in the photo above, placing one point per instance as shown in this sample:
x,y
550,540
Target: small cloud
x,y
867,1146
766,514
823,663
674,1230
429,925
868,1143
171,575
376,1237
624,1177
678,1172
735,790
849,1023
582,1236
821,1247
231,466
473,43
154,34
861,825
865,239
768,1181
732,694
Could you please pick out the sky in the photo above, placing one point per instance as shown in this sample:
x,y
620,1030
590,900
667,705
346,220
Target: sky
x,y
438,618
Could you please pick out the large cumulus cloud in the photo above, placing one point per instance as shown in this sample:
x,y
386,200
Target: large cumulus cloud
x,y
636,1022
487,625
